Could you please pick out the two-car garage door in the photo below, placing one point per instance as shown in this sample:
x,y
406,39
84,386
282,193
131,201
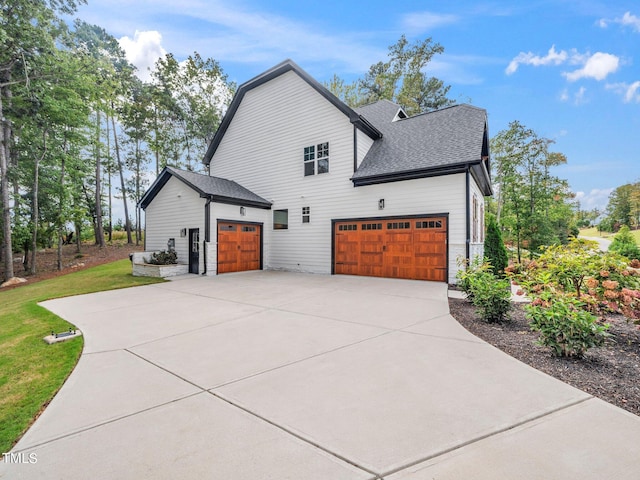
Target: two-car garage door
x,y
413,248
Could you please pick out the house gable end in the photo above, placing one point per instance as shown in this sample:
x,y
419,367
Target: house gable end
x,y
287,66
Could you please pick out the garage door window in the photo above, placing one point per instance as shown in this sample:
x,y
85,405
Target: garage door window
x,y
371,226
429,224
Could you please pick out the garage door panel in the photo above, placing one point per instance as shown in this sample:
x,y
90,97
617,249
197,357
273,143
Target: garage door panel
x,y
238,247
397,248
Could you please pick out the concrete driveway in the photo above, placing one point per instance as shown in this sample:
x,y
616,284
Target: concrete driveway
x,y
271,375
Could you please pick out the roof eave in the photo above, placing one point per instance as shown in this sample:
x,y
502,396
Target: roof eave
x,y
410,174
241,202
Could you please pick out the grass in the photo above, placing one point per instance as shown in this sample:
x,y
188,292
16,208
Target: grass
x,y
593,232
31,372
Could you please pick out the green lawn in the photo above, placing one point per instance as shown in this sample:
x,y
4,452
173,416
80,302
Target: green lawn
x,y
31,372
593,232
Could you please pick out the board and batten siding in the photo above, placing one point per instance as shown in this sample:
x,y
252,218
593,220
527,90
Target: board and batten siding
x,y
176,206
263,150
476,248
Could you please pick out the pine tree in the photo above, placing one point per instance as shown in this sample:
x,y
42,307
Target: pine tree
x,y
494,248
624,244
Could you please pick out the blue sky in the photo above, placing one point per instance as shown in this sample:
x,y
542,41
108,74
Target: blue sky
x,y
570,70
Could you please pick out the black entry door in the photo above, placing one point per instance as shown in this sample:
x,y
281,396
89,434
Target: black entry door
x,y
194,250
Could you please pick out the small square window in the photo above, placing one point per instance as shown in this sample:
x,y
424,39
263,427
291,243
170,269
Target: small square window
x,y
306,214
280,219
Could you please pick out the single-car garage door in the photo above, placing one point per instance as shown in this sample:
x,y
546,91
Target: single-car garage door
x,y
238,247
414,248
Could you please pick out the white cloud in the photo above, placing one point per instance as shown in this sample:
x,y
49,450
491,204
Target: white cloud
x,y
564,95
598,66
143,51
579,98
528,58
631,20
420,22
630,93
596,198
627,20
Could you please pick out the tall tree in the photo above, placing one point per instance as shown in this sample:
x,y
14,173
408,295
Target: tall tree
x,y
194,95
29,30
401,79
533,206
623,207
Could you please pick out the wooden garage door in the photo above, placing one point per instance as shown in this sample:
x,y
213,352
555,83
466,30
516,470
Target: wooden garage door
x,y
238,247
414,248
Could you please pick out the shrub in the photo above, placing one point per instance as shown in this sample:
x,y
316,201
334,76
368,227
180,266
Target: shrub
x,y
469,270
564,325
490,295
494,248
603,282
624,244
165,257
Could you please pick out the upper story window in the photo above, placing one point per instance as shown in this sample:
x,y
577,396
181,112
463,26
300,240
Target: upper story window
x,y
316,159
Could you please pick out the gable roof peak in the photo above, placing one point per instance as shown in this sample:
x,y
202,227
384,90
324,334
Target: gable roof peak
x,y
272,73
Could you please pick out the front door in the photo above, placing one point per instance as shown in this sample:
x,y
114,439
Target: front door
x,y
194,250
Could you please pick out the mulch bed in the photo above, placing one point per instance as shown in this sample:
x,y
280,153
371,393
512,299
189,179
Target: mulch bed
x,y
90,255
610,372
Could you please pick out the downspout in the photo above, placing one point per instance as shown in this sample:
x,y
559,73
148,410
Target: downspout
x,y
207,231
468,215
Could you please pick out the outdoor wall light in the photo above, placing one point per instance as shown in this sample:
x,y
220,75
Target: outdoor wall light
x,y
243,211
381,204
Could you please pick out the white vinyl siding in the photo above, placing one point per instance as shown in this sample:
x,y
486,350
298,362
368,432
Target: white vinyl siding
x,y
364,143
262,150
176,207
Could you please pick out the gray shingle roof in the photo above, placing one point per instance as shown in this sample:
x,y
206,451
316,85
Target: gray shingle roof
x,y
218,189
438,139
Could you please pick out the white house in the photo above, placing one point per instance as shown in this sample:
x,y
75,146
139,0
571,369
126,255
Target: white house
x,y
299,181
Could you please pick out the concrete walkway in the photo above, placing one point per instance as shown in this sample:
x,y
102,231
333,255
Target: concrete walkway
x,y
603,243
290,376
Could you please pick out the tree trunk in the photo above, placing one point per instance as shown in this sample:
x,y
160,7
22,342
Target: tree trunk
x,y
109,168
138,232
35,206
78,234
99,230
5,138
127,223
61,222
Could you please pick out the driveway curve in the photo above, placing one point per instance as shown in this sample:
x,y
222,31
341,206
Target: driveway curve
x,y
292,376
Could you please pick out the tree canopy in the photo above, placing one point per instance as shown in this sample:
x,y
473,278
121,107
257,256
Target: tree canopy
x,y
78,128
401,79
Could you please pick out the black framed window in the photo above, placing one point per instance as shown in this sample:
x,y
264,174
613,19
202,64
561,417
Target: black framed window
x,y
306,214
316,159
280,219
